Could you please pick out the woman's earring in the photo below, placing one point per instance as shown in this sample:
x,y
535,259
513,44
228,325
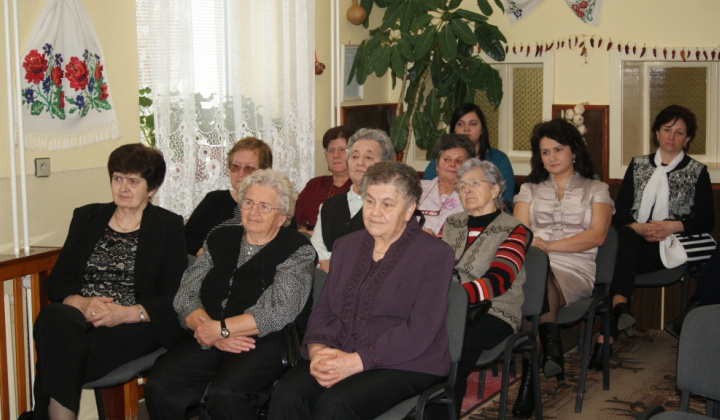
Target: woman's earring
x,y
573,161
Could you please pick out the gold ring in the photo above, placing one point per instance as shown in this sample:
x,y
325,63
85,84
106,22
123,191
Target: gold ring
x,y
92,313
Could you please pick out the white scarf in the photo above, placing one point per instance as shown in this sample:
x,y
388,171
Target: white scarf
x,y
657,194
657,190
66,99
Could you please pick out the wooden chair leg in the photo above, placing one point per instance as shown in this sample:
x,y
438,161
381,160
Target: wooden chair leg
x,y
122,401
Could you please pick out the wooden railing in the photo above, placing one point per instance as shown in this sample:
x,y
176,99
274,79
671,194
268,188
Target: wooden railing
x,y
37,264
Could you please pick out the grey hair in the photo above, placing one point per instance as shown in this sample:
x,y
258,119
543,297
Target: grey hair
x,y
401,176
387,151
490,173
278,181
452,141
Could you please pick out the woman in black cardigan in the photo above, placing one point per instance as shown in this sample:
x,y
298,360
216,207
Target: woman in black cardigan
x,y
111,289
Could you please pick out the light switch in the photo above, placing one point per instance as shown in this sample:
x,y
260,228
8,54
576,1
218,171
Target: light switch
x,y
42,167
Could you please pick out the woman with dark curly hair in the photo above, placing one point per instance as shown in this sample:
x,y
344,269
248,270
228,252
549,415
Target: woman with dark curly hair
x,y
569,213
112,287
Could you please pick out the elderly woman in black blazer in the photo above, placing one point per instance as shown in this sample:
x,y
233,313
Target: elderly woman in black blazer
x,y
112,287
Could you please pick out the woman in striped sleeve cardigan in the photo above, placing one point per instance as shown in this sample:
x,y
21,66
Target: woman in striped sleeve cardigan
x,y
489,249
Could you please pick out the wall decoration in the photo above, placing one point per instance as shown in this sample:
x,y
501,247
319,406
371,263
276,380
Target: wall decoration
x,y
66,99
584,43
596,120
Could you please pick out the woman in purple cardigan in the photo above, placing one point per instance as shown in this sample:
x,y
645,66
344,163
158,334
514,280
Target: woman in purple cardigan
x,y
377,334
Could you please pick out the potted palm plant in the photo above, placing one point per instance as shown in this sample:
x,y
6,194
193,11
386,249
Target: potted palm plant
x,y
431,47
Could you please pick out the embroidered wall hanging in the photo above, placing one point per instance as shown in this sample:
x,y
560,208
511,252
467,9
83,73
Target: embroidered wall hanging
x,y
65,95
586,10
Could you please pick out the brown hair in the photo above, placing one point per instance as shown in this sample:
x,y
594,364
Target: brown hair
x,y
255,145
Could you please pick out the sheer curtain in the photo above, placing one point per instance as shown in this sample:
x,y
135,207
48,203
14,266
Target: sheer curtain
x,y
221,70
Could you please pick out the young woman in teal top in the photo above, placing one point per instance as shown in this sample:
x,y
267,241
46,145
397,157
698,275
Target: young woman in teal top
x,y
468,119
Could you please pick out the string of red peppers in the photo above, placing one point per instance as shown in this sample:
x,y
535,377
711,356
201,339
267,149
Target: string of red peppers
x,y
582,43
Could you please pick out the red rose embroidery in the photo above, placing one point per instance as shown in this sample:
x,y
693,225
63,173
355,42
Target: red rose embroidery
x,y
580,13
61,100
103,92
77,73
57,75
583,4
98,71
35,66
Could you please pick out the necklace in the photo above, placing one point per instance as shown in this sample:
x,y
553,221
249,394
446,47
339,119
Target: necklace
x,y
123,228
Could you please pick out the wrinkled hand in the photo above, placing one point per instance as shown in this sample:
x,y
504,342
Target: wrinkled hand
x,y
237,344
91,307
324,265
112,315
330,366
542,244
208,332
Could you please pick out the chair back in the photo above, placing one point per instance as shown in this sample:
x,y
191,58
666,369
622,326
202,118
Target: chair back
x,y
605,258
455,324
318,284
698,365
536,274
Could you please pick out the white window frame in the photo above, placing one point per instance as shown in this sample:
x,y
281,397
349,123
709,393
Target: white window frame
x,y
711,158
520,160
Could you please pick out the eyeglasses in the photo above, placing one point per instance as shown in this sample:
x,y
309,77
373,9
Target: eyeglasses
x,y
339,150
472,183
263,208
247,169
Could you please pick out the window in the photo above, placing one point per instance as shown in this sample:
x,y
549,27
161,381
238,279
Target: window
x,y
528,86
639,89
222,70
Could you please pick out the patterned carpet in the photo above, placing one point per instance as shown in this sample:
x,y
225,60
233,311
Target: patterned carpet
x,y
642,373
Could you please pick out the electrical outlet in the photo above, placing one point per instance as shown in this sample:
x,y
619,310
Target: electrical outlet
x,y
42,167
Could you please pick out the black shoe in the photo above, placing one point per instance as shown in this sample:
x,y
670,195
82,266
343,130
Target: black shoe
x,y
674,327
596,360
525,402
28,415
553,361
625,320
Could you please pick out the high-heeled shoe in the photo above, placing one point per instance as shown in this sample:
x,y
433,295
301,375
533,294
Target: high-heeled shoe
x,y
553,361
625,320
525,402
596,360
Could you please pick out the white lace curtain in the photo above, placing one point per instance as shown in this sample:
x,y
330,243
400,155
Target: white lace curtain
x,y
221,70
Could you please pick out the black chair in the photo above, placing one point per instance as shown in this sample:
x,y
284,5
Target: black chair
x,y
584,311
441,393
668,277
130,371
537,268
698,368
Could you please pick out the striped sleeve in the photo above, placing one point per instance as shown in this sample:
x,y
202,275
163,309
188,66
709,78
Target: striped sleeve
x,y
508,261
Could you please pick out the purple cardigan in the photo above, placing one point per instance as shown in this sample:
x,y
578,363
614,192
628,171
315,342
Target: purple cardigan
x,y
394,319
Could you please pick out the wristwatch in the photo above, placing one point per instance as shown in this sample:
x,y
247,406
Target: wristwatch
x,y
224,332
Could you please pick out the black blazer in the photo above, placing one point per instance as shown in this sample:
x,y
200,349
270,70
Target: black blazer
x,y
159,263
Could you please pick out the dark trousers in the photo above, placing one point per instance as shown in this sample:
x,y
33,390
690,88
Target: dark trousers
x,y
237,383
635,256
71,352
708,287
488,333
364,395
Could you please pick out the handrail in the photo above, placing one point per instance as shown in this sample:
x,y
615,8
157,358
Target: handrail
x,y
37,264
